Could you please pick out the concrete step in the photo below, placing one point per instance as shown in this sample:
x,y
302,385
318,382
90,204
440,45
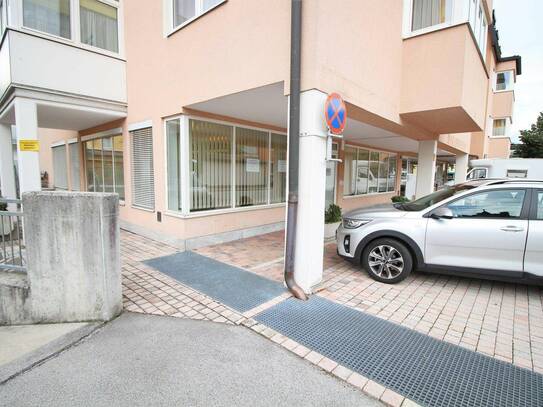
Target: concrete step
x,y
14,293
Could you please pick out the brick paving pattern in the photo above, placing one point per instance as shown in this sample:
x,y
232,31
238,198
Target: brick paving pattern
x,y
148,291
501,320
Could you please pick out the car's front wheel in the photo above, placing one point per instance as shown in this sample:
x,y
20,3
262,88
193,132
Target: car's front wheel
x,y
387,260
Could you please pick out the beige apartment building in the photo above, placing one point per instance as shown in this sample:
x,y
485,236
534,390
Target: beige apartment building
x,y
181,106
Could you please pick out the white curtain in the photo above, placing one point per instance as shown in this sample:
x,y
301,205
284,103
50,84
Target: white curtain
x,y
99,25
427,13
50,16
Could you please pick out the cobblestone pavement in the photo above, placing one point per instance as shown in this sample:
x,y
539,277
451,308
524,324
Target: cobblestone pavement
x,y
148,291
501,320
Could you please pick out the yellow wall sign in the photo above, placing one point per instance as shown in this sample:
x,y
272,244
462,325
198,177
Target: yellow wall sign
x,y
29,145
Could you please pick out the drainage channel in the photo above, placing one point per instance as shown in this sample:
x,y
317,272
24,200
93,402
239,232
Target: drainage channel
x,y
426,370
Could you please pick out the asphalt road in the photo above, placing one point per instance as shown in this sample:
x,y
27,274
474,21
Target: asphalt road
x,y
143,360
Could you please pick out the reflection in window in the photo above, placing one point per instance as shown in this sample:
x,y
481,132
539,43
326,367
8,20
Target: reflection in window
x,y
368,171
104,165
278,175
493,204
256,159
173,160
504,80
184,10
99,26
49,16
349,171
540,205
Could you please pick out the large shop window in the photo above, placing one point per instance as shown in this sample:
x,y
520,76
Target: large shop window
x,y
143,176
49,16
60,165
228,166
104,165
185,10
427,13
368,172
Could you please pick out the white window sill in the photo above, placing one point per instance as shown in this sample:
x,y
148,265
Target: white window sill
x,y
180,27
504,91
433,28
142,209
365,195
215,212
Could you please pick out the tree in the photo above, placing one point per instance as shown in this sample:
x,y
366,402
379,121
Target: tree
x,y
531,141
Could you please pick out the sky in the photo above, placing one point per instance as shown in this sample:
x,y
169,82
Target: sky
x,y
520,29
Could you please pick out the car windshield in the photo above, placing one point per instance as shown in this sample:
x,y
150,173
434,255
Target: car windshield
x,y
432,199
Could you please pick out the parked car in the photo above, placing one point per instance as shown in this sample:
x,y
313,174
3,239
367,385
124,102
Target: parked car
x,y
486,228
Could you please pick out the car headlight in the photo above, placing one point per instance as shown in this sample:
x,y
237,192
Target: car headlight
x,y
354,223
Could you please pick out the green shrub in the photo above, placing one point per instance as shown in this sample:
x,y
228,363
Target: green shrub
x,y
332,214
399,199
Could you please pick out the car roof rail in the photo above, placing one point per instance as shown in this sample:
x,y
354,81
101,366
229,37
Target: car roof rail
x,y
512,181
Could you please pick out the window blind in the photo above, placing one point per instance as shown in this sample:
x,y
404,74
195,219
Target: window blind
x,y
143,180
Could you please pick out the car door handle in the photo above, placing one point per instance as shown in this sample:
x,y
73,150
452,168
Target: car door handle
x,y
512,229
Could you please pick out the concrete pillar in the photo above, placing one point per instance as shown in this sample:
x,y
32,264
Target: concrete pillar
x,y
26,128
308,265
426,168
461,168
7,171
73,256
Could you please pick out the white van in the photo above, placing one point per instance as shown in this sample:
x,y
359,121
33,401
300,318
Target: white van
x,y
530,168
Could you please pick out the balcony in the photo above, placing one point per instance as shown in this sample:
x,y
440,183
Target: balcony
x,y
444,81
43,64
502,105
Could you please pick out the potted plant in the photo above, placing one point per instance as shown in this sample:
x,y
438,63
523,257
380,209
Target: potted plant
x,y
399,199
332,219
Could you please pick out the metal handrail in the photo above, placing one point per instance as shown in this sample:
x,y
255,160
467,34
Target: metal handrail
x,y
12,247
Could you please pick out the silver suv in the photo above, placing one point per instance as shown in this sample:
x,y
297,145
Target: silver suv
x,y
486,228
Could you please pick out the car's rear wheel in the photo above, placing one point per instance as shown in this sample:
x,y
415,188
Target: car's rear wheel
x,y
387,260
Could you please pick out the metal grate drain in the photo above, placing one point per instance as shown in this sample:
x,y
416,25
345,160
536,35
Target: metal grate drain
x,y
234,287
424,369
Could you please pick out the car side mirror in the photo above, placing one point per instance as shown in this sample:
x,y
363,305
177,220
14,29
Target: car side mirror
x,y
442,213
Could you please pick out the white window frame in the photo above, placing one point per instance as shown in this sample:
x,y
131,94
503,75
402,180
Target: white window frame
x,y
184,145
461,14
75,27
199,11
3,19
510,87
372,150
508,123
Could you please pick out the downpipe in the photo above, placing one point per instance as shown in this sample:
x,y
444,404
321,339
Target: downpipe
x,y
293,148
292,212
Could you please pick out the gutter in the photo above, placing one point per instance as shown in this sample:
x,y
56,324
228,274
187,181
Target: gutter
x,y
293,147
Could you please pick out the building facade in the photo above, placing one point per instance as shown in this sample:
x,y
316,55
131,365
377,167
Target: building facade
x,y
181,106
